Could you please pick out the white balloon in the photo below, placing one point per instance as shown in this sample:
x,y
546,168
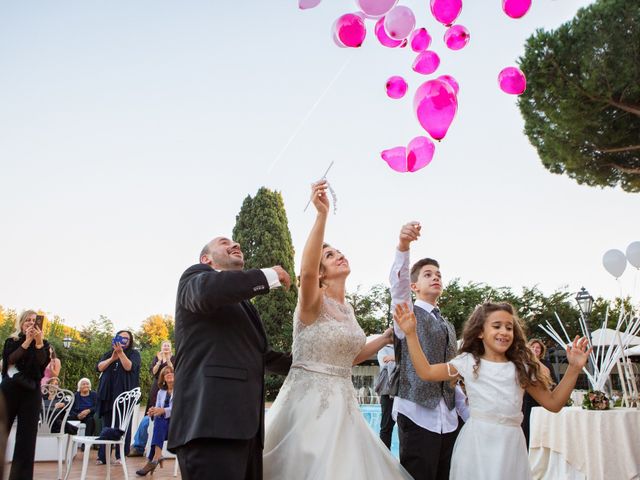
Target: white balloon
x,y
633,254
614,262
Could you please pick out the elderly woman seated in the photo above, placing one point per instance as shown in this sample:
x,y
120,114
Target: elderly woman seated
x,y
84,406
161,415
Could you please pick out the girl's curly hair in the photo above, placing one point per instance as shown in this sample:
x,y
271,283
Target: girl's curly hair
x,y
528,370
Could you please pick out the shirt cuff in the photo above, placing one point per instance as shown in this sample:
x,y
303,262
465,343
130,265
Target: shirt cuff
x,y
401,257
272,277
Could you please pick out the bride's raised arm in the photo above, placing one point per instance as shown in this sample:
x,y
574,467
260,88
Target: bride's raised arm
x,y
310,293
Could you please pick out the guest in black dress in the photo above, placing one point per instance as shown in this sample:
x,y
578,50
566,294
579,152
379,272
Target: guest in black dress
x,y
528,402
24,358
120,372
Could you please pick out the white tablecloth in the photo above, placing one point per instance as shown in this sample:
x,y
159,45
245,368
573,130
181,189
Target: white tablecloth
x,y
594,444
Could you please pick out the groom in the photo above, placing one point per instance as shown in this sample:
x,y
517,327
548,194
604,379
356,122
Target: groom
x,y
425,411
217,421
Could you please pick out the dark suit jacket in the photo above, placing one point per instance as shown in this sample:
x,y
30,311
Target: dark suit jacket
x,y
221,356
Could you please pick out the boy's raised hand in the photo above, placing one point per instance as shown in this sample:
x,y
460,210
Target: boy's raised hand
x,y
578,352
408,233
405,318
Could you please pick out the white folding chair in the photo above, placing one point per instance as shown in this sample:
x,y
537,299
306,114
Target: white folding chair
x,y
51,416
123,408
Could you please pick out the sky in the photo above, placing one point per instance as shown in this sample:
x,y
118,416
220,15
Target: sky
x,y
131,131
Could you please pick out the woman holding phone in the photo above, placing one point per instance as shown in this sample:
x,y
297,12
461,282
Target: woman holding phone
x,y
120,372
24,358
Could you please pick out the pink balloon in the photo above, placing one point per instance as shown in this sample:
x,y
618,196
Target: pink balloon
x,y
396,87
516,8
375,8
399,22
446,11
456,37
420,40
382,36
304,4
451,81
435,104
419,153
336,40
396,158
350,30
426,62
512,81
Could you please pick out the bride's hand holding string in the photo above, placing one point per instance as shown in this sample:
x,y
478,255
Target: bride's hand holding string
x,y
319,196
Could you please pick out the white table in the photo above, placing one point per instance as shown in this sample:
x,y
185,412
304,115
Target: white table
x,y
585,444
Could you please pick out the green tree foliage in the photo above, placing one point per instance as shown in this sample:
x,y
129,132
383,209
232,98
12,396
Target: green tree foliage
x,y
8,319
81,359
582,103
263,232
372,309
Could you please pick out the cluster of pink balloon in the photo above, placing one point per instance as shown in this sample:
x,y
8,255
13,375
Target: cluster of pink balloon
x,y
435,101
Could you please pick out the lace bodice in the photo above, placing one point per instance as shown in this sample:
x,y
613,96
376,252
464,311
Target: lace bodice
x,y
331,343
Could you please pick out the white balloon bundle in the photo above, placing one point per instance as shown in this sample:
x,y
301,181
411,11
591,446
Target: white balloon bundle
x,y
615,261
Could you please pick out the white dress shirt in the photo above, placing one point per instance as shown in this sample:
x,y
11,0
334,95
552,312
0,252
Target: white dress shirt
x,y
272,277
439,419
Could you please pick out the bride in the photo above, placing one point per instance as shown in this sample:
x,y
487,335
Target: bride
x,y
314,429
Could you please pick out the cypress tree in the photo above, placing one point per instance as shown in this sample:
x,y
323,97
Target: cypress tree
x,y
263,233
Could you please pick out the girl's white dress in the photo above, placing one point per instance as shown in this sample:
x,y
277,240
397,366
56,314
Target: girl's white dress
x,y
491,444
314,429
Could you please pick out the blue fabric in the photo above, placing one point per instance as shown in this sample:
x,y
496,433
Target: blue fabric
x,y
142,434
82,403
160,434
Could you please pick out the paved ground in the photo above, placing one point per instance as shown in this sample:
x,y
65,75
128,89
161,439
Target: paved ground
x,y
49,470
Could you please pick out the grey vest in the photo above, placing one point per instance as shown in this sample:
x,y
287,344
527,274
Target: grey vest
x,y
438,340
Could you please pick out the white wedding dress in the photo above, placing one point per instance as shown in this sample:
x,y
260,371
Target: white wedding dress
x,y
314,429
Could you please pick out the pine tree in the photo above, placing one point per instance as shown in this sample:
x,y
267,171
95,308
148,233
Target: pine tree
x,y
263,233
582,103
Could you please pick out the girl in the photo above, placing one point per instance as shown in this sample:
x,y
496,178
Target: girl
x,y
497,367
53,368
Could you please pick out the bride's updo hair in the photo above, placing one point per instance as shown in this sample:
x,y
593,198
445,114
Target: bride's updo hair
x,y
321,269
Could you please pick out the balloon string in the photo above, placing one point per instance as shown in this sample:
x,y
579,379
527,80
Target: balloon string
x,y
310,112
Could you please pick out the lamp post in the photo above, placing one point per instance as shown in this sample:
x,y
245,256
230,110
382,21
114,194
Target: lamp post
x,y
67,341
585,303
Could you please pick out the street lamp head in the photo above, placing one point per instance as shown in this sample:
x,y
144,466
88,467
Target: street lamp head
x,y
585,302
67,341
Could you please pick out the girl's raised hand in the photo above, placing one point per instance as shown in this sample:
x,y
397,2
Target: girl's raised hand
x,y
319,196
578,352
405,318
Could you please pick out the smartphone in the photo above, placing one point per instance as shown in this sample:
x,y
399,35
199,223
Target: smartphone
x,y
39,321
